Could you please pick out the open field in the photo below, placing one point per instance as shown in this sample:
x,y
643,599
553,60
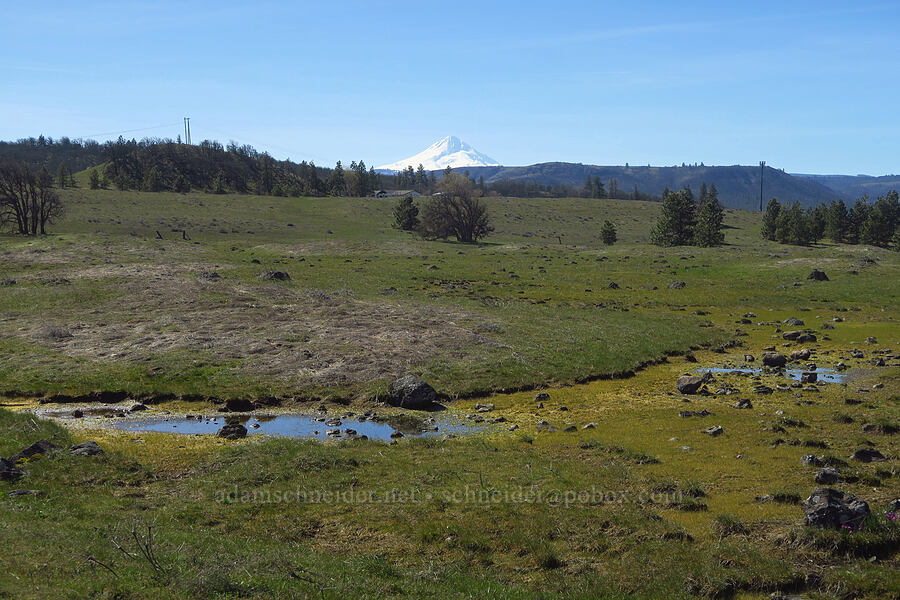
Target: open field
x,y
641,505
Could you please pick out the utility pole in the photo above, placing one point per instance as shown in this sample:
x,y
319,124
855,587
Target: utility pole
x,y
187,130
762,170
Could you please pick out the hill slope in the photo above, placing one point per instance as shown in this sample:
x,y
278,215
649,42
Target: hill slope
x,y
851,187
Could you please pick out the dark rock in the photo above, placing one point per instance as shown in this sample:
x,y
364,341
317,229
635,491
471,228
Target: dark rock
x,y
714,431
791,335
396,434
810,460
827,508
232,431
809,377
9,470
138,408
744,403
542,397
677,285
689,356
694,413
868,455
828,476
40,447
773,359
763,389
689,384
77,413
817,275
412,393
19,493
857,354
613,285
749,358
276,276
86,449
806,338
877,361
871,340
238,405
801,354
793,322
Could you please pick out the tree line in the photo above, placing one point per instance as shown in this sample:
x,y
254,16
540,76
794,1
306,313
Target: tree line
x,y
876,223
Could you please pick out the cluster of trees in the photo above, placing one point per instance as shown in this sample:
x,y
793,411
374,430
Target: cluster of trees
x,y
865,222
594,188
28,202
418,179
455,211
686,222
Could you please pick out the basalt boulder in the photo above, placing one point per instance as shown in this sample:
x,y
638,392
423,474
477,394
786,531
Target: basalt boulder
x,y
827,508
412,393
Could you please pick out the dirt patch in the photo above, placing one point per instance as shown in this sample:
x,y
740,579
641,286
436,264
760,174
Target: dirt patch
x,y
317,337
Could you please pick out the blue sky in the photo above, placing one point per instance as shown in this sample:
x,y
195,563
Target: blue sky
x,y
810,87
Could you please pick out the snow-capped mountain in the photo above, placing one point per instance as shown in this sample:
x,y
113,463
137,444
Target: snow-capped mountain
x,y
448,152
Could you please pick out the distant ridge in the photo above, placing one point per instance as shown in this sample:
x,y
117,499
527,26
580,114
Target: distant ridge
x,y
738,185
448,152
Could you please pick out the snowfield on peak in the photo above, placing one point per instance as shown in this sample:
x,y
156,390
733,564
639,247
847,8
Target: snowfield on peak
x,y
448,152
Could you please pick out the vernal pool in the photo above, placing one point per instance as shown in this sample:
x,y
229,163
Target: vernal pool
x,y
823,375
297,425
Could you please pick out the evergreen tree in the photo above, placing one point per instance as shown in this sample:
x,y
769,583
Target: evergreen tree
x,y
896,240
702,197
881,222
708,232
675,225
770,219
837,222
335,184
792,226
406,214
62,176
219,184
95,179
608,233
588,190
858,215
613,188
598,190
817,218
182,185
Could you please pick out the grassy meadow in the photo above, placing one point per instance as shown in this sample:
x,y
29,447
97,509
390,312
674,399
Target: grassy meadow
x,y
639,504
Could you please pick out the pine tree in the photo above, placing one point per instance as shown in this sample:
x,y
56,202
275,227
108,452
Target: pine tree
x,y
219,182
598,189
153,180
896,240
675,225
62,175
608,233
770,220
95,179
858,215
588,190
702,197
882,220
837,222
792,226
708,232
335,183
406,214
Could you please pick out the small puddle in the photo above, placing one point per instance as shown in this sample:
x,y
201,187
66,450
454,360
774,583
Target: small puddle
x,y
296,425
823,375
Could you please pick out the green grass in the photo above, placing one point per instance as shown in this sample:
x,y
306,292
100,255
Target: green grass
x,y
642,505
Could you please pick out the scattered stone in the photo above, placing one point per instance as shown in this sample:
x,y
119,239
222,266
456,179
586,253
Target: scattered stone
x,y
677,285
794,322
613,285
773,359
589,426
689,356
807,338
743,403
412,393
483,408
810,460
802,354
828,476
138,408
570,428
42,447
513,427
867,455
232,431
543,426
19,493
871,340
694,413
763,389
9,470
714,431
690,384
396,435
238,405
809,377
77,413
749,358
827,508
276,276
88,448
791,335
817,275
542,397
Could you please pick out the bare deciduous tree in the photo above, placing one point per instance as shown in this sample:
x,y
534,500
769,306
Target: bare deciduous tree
x,y
28,202
456,211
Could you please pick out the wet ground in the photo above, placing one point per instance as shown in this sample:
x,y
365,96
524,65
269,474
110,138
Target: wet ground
x,y
822,375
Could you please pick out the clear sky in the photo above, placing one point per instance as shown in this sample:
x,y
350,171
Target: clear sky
x,y
810,87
